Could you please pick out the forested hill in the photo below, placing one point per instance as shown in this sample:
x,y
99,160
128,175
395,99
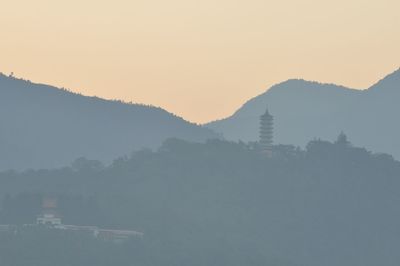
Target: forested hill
x,y
304,110
220,203
44,127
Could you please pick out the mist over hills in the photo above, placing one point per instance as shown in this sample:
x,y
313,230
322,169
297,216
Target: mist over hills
x,y
305,110
44,127
218,203
212,203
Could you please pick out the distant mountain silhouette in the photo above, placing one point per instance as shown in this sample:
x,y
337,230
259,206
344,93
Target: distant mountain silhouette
x,y
304,110
44,127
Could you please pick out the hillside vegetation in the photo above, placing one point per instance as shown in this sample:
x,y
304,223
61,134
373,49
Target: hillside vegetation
x,y
224,203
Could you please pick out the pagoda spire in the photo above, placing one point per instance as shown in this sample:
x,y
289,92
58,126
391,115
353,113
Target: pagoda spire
x,y
266,132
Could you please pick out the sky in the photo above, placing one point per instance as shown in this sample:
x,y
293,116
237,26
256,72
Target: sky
x,y
199,59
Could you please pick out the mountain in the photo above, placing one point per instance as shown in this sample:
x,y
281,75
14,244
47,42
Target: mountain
x,y
45,127
304,110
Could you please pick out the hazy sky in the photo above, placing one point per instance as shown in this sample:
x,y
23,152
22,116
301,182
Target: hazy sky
x,y
199,59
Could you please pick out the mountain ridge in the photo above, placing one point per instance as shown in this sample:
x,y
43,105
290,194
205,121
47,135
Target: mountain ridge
x,y
45,127
388,82
305,110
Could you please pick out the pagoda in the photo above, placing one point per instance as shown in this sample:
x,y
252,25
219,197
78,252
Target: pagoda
x,y
266,132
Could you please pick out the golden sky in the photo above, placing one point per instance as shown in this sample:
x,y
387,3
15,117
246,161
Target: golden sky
x,y
200,59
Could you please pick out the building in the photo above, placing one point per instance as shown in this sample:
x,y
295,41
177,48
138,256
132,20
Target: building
x,y
51,219
117,235
266,132
49,215
48,219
